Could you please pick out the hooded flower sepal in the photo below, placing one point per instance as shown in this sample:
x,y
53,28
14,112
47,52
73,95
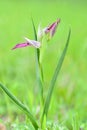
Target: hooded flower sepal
x,y
40,33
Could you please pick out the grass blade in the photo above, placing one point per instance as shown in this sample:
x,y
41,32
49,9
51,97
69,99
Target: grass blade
x,y
22,106
56,73
35,33
39,72
37,51
35,36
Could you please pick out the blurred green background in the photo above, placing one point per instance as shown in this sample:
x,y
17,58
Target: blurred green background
x,y
17,68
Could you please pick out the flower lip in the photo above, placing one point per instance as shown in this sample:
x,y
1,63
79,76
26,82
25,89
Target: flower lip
x,y
28,42
20,45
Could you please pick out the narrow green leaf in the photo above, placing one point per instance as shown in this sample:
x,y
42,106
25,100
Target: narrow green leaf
x,y
35,33
22,106
54,78
39,72
76,121
37,52
35,36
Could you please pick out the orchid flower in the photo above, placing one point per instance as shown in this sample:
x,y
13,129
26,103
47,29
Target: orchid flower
x,y
52,28
49,30
28,42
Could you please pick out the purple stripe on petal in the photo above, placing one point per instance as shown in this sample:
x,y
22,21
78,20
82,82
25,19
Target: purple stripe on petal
x,y
53,29
21,45
54,25
51,26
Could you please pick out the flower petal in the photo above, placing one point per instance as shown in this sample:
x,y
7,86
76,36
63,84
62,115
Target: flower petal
x,y
21,45
52,28
33,42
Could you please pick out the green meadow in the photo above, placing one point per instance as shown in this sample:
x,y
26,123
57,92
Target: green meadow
x,y
68,108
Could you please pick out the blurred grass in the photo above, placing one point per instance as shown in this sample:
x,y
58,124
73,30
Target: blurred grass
x,y
17,68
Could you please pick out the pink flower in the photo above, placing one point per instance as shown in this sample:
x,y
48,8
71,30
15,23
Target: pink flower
x,y
52,28
28,42
49,30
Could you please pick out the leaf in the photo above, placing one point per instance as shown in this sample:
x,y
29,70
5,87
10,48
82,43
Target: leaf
x,y
22,106
35,33
37,52
35,36
54,78
39,72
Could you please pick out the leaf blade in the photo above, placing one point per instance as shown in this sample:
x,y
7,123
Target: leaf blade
x,y
39,70
22,106
54,78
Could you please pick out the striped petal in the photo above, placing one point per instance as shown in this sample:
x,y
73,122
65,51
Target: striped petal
x,y
27,43
52,28
21,45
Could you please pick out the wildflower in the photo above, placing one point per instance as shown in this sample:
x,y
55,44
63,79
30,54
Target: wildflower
x,y
52,28
49,30
28,42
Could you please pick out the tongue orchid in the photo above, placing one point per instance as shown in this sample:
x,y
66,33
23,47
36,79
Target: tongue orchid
x,y
28,42
52,28
49,30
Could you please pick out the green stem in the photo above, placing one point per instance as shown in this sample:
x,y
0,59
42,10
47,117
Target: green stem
x,y
22,106
39,76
